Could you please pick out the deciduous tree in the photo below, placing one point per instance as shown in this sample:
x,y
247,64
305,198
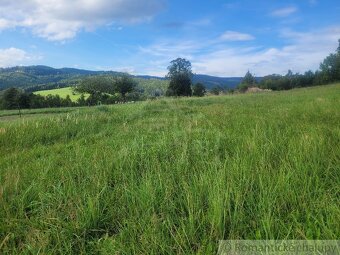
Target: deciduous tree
x,y
248,81
180,75
199,90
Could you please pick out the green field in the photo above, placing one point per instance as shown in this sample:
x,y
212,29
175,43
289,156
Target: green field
x,y
63,93
148,86
171,176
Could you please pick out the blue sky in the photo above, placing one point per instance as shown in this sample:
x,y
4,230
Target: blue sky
x,y
223,38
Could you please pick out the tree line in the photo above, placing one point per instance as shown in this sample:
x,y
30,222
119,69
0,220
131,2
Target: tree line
x,y
106,89
180,75
99,90
328,72
103,89
14,98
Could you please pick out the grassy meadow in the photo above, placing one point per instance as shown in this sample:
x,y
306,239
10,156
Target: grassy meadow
x,y
171,176
63,93
148,86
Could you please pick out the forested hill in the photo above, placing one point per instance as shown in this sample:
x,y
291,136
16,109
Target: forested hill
x,y
43,77
32,78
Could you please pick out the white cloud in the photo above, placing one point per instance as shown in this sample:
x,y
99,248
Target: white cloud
x,y
62,19
12,56
301,52
170,48
160,53
313,2
4,24
284,12
236,36
123,69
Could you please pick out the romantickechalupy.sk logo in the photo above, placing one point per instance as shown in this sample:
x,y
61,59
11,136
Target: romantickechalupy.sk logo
x,y
279,247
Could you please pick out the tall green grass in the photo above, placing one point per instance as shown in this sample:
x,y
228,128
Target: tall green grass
x,y
172,176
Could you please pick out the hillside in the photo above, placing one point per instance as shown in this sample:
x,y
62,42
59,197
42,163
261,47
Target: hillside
x,y
63,93
148,87
213,81
34,78
171,176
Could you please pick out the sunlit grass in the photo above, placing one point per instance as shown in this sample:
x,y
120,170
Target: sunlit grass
x,y
172,176
63,93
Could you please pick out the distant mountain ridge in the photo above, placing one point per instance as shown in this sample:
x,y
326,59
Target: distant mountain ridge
x,y
213,81
32,78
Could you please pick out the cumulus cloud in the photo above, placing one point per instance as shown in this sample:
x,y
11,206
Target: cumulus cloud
x,y
236,36
13,56
284,12
63,19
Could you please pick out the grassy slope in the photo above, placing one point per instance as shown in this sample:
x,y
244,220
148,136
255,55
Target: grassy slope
x,y
172,176
149,86
63,93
